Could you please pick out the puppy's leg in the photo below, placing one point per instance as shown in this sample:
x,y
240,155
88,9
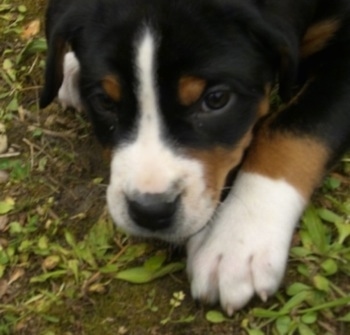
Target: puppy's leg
x,y
68,94
244,250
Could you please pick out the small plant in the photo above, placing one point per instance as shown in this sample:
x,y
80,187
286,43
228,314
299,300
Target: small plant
x,y
175,302
151,301
15,70
153,268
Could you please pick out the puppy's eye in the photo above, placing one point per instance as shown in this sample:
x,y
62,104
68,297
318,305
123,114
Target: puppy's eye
x,y
104,109
105,103
217,100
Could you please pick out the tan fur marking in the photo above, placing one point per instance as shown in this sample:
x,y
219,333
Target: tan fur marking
x,y
317,37
298,160
264,104
190,89
112,87
218,162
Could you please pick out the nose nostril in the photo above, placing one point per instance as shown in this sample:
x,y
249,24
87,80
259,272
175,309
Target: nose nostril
x,y
152,211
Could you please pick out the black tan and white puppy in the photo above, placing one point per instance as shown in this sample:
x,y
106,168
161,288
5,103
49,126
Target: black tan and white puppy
x,y
178,91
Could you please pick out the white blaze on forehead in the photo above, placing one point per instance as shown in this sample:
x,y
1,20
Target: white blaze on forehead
x,y
149,148
149,123
149,165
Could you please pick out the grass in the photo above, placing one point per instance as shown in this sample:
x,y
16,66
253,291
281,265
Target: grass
x,y
64,269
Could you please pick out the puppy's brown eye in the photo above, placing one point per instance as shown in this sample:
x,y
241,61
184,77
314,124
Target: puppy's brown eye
x,y
217,100
106,103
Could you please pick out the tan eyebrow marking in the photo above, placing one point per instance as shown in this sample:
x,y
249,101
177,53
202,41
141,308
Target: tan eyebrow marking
x,y
263,107
317,36
190,89
112,87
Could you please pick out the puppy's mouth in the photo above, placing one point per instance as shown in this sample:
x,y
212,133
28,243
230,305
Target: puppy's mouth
x,y
170,217
153,218
174,216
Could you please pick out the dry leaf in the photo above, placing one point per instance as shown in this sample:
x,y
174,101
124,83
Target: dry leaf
x,y
51,262
3,139
30,30
3,222
19,272
3,288
4,177
3,243
21,113
97,288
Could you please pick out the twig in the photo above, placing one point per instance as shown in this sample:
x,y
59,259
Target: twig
x,y
10,155
117,256
64,134
31,148
31,88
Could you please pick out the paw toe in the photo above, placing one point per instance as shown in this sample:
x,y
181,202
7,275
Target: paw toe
x,y
204,285
267,272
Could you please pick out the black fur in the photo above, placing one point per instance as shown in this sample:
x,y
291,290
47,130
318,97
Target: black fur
x,y
238,48
240,44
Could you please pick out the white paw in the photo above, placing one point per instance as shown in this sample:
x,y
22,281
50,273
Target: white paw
x,y
68,94
244,251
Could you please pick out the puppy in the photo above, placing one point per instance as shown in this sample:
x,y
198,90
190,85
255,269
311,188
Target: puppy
x,y
179,92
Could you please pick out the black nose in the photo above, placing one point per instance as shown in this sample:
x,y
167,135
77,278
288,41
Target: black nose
x,y
152,211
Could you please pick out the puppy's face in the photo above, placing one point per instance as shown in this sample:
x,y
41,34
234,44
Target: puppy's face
x,y
174,91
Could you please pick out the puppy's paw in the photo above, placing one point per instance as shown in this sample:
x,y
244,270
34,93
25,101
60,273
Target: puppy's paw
x,y
244,251
68,94
231,269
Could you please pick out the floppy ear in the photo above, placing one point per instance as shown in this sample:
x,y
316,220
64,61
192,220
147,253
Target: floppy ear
x,y
286,48
54,70
279,37
275,36
62,28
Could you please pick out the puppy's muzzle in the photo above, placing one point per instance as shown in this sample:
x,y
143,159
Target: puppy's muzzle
x,y
153,211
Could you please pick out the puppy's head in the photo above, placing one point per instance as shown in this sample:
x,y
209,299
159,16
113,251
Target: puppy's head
x,y
174,89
